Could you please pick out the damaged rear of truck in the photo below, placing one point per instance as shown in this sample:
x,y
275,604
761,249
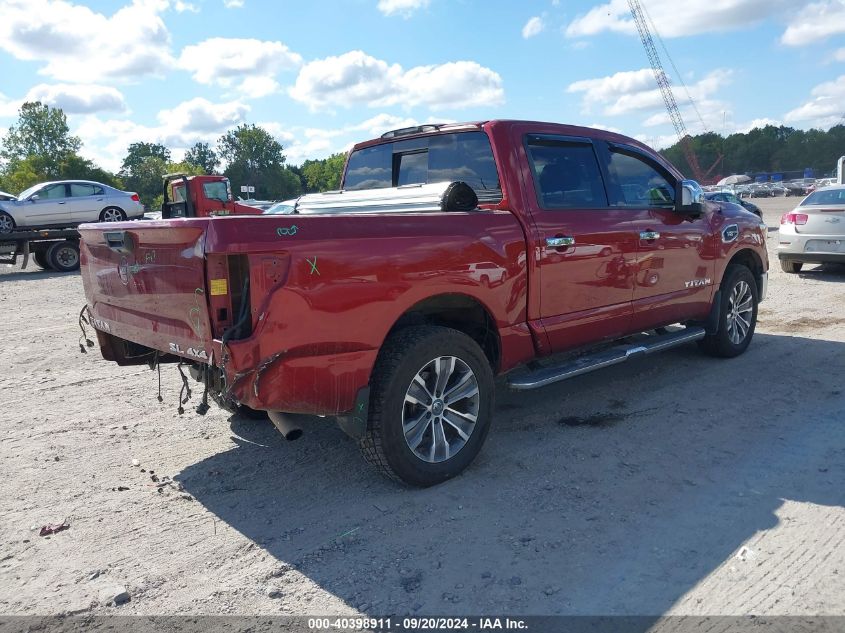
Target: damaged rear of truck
x,y
290,314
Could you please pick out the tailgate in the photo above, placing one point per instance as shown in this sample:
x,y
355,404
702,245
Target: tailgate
x,y
145,282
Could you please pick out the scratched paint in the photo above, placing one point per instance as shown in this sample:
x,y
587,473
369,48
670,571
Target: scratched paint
x,y
282,231
314,268
195,312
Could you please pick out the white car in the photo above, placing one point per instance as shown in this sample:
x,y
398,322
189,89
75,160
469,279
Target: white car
x,y
68,203
814,232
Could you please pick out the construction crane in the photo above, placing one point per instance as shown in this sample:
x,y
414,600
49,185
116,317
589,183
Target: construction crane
x,y
668,96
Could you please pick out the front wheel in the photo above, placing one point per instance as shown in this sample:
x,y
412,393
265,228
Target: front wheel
x,y
431,402
737,314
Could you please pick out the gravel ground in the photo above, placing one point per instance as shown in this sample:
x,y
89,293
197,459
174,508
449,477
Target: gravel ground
x,y
675,484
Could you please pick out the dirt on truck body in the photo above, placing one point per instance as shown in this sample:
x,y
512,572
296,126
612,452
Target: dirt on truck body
x,y
581,249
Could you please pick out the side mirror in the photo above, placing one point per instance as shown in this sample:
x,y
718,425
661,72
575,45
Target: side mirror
x,y
33,198
689,198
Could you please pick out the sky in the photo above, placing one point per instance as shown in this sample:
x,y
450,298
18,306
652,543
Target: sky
x,y
321,75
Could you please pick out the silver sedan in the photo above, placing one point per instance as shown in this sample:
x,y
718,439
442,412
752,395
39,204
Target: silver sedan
x,y
814,232
68,203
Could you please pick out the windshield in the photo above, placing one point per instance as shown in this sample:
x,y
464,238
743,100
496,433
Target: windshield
x,y
824,197
28,192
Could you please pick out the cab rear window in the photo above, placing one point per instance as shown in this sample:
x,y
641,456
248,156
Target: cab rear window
x,y
465,156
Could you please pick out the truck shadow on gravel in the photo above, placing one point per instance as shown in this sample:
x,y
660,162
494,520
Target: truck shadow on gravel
x,y
613,493
33,275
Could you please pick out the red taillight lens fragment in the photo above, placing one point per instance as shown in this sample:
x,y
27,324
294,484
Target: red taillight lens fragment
x,y
797,219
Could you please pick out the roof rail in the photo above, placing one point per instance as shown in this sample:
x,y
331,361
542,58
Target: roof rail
x,y
417,129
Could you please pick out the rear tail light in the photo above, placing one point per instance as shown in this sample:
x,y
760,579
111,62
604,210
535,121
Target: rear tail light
x,y
136,197
797,219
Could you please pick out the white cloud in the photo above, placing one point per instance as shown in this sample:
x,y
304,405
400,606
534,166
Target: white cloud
x,y
357,78
839,55
250,62
636,90
105,140
824,109
405,8
533,27
78,98
9,107
77,43
817,22
233,4
697,16
181,7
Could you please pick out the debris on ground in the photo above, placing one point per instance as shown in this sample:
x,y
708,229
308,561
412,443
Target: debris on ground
x,y
114,595
53,528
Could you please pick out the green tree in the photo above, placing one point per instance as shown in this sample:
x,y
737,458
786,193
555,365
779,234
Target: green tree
x,y
142,170
201,155
325,174
253,157
42,137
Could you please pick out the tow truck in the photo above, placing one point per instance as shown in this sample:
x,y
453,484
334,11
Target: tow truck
x,y
200,196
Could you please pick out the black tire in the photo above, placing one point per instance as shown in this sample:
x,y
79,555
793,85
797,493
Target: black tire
x,y
40,257
723,343
7,223
112,214
404,356
63,256
788,266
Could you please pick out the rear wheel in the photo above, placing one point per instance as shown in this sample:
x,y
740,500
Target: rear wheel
x,y
737,314
112,214
791,267
40,257
7,223
431,403
63,256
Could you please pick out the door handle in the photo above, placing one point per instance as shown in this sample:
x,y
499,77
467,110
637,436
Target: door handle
x,y
62,202
558,242
649,235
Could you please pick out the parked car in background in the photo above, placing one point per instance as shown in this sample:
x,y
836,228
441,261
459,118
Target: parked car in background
x,y
7,196
68,203
727,196
814,232
285,207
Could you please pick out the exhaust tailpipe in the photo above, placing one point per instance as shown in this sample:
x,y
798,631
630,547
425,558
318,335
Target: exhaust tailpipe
x,y
287,424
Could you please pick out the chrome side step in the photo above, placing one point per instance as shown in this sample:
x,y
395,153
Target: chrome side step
x,y
525,380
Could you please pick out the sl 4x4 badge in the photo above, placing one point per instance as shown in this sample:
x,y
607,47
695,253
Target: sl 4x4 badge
x,y
191,351
730,233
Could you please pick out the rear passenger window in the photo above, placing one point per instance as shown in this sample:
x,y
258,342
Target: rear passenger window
x,y
640,182
78,189
566,173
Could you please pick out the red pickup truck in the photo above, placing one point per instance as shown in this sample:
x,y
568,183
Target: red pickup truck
x,y
569,249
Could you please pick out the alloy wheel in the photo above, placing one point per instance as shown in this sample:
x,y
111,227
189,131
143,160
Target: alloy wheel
x,y
740,312
440,410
